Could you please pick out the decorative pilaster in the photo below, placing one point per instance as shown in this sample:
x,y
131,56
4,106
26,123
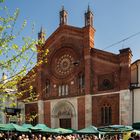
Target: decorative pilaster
x,y
41,111
88,110
125,107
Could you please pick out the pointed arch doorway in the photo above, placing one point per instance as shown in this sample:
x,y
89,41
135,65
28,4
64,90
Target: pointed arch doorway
x,y
63,115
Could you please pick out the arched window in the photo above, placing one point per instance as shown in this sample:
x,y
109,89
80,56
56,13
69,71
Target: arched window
x,y
63,90
67,89
59,90
47,86
81,82
106,115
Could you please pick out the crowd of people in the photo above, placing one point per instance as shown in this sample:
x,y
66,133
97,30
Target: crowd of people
x,y
16,136
19,136
38,136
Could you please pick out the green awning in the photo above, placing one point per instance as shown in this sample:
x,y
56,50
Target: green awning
x,y
14,127
115,129
88,130
2,126
62,131
28,126
42,128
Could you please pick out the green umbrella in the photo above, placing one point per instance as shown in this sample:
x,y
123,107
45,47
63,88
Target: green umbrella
x,y
2,126
41,128
14,127
88,130
28,126
115,129
73,130
62,131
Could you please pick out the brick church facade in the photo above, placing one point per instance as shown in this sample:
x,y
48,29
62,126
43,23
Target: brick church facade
x,y
75,83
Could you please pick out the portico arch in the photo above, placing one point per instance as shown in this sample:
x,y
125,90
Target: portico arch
x,y
63,115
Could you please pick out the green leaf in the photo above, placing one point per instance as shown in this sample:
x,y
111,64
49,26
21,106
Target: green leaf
x,y
1,28
33,48
2,1
23,48
15,46
0,52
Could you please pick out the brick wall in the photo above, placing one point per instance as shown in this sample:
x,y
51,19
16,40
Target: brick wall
x,y
99,101
93,63
81,112
47,113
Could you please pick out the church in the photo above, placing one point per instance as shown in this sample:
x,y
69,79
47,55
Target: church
x,y
75,84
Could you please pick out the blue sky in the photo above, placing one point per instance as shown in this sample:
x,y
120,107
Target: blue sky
x,y
114,20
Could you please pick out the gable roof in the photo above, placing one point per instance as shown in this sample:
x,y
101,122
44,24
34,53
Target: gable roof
x,y
63,30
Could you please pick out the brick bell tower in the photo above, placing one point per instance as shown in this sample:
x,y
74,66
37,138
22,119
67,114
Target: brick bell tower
x,y
89,32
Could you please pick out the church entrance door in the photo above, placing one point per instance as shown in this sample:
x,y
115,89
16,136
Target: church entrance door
x,y
65,122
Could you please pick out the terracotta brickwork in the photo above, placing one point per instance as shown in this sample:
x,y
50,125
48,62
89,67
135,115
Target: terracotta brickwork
x,y
81,112
93,63
99,101
125,65
47,114
107,64
72,52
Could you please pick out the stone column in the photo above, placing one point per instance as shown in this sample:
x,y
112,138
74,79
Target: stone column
x,y
40,111
88,110
21,105
125,107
